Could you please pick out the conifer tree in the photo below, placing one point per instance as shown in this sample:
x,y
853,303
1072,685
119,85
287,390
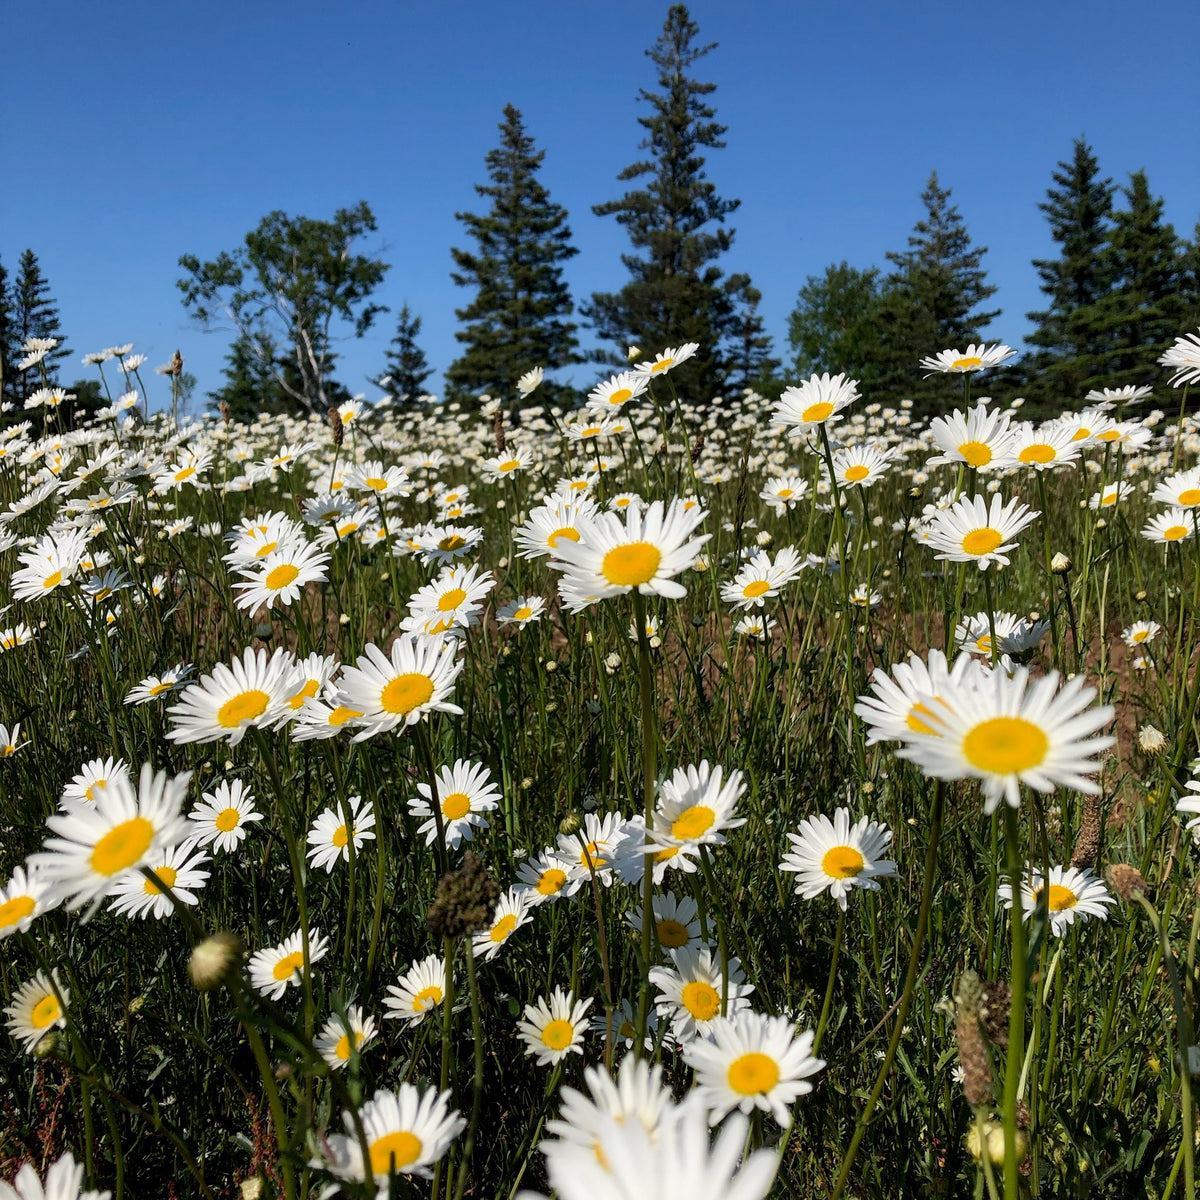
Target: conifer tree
x,y
8,360
835,324
251,386
750,361
407,367
1069,344
675,222
1190,286
1146,306
520,315
34,314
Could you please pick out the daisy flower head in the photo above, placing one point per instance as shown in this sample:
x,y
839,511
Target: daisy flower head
x,y
552,1030
897,707
524,610
1140,632
618,390
508,464
314,674
400,688
319,720
1071,892
37,1007
1044,448
1015,636
760,579
836,856
444,544
547,877
645,552
962,362
689,992
620,1027
344,1035
512,911
417,992
1005,730
980,439
10,740
530,382
1184,359
179,868
223,816
1181,490
273,971
122,830
801,409
452,600
64,1181
252,691
631,852
756,626
465,793
1109,496
676,922
154,686
1174,525
559,519
1130,394
592,847
973,531
16,635
696,805
49,564
667,360
753,1061
282,576
861,466
377,480
784,492
22,899
407,1131
331,835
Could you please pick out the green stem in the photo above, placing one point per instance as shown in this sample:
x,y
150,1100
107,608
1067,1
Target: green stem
x,y
1016,1020
833,966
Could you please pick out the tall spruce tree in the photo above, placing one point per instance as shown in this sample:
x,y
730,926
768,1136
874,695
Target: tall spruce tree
x,y
34,314
8,360
1190,287
1146,306
407,367
931,301
251,386
750,361
520,315
1069,341
676,222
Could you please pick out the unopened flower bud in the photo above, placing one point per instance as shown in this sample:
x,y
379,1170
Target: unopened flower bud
x,y
1060,564
214,960
1151,740
570,824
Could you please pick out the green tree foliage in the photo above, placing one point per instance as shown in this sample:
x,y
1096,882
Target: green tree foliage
x,y
676,222
406,368
835,324
1190,285
33,313
251,385
285,287
520,315
8,363
750,362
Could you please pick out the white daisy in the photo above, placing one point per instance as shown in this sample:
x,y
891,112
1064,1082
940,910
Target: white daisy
x,y
836,856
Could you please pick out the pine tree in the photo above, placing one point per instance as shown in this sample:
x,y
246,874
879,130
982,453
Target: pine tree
x,y
520,315
1069,346
8,356
251,385
34,315
407,367
1146,307
676,223
750,362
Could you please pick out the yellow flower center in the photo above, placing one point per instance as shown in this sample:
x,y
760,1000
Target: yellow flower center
x,y
13,911
856,473
394,1152
558,1034
631,564
307,692
456,806
572,535
122,846
376,484
1190,497
167,874
344,1048
52,580
452,542
511,465
347,528
157,689
406,692
757,587
1059,897
976,454
281,576
817,412
966,363
1005,745
551,881
1141,635
786,493
427,998
227,819
287,966
523,613
982,541
1039,453
753,1073
663,364
449,601
620,395
186,473
503,927
672,934
340,836
1109,498
245,706
265,549
89,792
842,862
45,1012
1174,533
342,714
693,822
1109,435
701,999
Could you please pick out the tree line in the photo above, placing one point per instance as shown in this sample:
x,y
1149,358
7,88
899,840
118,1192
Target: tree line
x,y
1121,287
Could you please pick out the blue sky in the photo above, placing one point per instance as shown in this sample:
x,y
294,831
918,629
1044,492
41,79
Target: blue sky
x,y
135,133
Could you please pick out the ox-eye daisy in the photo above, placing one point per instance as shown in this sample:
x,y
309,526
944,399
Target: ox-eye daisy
x,y
36,1008
179,868
522,611
690,995
812,403
154,686
546,877
980,438
1174,525
417,992
618,390
974,358
761,580
511,913
897,707
465,793
93,779
836,856
973,531
282,576
553,1030
23,898
272,970
696,805
1070,893
341,1036
676,922
330,836
222,816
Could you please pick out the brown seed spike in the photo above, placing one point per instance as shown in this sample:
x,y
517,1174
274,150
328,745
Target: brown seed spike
x,y
465,900
1126,881
1091,827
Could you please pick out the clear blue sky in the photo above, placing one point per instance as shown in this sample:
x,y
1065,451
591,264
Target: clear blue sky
x,y
134,133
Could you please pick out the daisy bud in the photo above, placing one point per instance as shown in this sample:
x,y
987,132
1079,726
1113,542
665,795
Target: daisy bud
x,y
47,1045
764,538
252,1188
1126,881
1140,597
570,824
214,960
1060,564
344,619
1151,740
633,353
993,1138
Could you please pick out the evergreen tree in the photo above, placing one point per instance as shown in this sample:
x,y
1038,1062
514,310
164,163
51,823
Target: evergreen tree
x,y
407,367
520,315
1190,286
1069,344
8,356
1146,306
676,222
252,370
835,324
34,314
750,362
